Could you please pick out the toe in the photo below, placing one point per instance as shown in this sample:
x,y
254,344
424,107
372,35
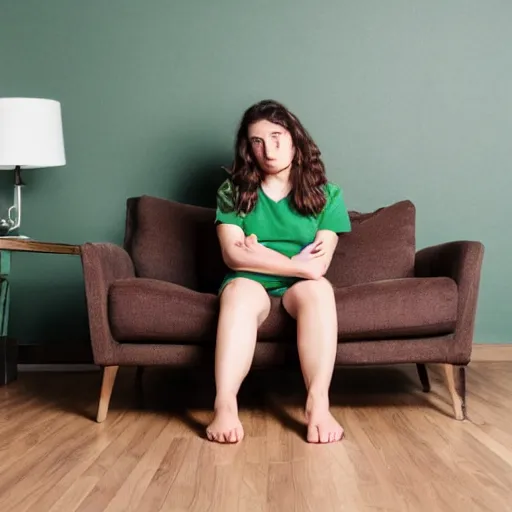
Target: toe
x,y
239,434
313,434
324,436
336,436
324,430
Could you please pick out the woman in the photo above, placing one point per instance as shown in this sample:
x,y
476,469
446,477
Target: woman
x,y
277,223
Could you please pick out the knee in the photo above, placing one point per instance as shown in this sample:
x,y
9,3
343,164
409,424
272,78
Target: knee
x,y
242,286
312,292
314,288
245,294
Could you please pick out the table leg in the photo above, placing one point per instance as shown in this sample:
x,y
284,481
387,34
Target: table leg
x,y
8,347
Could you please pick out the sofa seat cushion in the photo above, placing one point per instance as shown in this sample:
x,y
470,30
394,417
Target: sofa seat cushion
x,y
142,309
149,310
396,308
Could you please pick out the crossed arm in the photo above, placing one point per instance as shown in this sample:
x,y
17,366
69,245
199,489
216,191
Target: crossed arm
x,y
246,254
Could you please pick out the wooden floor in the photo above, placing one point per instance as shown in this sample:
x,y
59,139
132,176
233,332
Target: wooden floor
x,y
402,451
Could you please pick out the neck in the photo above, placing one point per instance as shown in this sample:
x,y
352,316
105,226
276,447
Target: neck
x,y
279,179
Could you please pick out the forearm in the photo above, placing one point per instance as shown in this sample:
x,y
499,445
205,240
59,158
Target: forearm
x,y
262,260
329,242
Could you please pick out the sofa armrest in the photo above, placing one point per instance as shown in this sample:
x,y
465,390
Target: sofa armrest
x,y
461,261
102,263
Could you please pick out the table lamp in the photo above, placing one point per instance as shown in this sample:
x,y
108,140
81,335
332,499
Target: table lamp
x,y
30,137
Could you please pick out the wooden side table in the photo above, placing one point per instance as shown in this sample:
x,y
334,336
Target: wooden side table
x,y
8,346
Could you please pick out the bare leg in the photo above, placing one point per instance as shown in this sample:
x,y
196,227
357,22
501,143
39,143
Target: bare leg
x,y
244,305
312,304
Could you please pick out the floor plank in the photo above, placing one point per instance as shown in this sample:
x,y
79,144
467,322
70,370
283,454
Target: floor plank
x,y
402,450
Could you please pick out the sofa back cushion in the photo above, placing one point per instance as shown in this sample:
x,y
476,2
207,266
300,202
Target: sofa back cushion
x,y
176,242
381,245
162,237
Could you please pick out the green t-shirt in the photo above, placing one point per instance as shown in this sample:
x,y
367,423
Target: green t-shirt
x,y
280,227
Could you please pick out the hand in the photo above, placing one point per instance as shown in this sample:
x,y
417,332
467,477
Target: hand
x,y
310,261
248,242
312,269
311,251
251,241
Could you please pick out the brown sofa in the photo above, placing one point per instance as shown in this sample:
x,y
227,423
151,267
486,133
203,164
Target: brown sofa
x,y
154,301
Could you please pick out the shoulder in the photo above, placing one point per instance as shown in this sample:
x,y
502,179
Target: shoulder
x,y
226,187
334,199
226,196
332,191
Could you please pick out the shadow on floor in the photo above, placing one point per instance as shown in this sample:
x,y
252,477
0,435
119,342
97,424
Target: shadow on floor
x,y
178,392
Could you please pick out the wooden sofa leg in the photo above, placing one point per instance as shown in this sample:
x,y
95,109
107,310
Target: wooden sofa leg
x,y
109,377
456,381
423,374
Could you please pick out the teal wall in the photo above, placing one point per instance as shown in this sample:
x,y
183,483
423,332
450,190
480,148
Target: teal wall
x,y
407,99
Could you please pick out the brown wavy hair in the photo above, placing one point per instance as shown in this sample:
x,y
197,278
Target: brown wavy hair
x,y
307,171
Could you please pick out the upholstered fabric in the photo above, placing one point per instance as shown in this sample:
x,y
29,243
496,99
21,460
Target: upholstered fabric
x,y
178,243
397,307
462,261
103,264
162,238
142,309
155,303
151,310
380,246
435,349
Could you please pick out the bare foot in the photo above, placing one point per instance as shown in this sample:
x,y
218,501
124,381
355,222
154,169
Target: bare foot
x,y
225,427
322,426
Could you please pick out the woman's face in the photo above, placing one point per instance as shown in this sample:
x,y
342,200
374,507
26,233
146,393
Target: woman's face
x,y
272,146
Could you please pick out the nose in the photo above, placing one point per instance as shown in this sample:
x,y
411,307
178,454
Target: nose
x,y
270,152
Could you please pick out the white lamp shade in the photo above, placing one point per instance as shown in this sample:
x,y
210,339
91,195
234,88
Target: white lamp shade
x,y
31,133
